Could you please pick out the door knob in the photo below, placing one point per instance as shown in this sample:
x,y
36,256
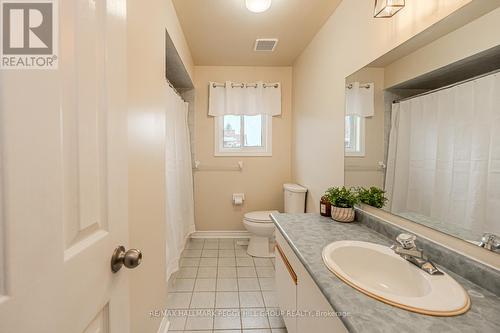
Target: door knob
x,y
131,258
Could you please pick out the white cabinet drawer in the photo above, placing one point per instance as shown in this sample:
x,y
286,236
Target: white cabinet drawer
x,y
310,300
286,290
297,292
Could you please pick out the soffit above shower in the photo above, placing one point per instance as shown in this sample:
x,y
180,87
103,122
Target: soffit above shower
x,y
223,32
481,63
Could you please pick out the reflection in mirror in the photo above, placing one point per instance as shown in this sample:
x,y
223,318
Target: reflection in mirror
x,y
431,142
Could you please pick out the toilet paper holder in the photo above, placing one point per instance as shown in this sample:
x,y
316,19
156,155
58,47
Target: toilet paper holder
x,y
238,198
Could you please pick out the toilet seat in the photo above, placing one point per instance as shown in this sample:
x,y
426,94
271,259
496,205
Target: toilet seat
x,y
260,216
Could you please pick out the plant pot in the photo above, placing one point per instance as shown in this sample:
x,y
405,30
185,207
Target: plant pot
x,y
342,214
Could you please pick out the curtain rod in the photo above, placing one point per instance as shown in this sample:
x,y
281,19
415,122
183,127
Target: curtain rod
x,y
245,85
365,85
447,87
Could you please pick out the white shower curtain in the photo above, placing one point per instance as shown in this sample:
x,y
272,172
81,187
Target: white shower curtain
x,y
444,156
179,180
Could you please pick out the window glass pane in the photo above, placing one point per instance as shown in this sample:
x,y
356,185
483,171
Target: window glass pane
x,y
253,131
232,131
348,131
356,133
352,139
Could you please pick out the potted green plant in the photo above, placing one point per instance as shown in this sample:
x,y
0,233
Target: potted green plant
x,y
373,196
343,201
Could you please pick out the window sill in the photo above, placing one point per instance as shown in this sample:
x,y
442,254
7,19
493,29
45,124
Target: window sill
x,y
355,154
248,154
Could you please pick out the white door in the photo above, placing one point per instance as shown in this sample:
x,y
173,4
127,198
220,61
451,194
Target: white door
x,y
63,185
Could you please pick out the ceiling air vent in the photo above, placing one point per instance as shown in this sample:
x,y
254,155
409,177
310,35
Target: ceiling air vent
x,y
267,44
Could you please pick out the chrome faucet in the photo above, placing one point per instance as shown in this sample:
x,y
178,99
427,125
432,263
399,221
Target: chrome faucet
x,y
409,251
490,242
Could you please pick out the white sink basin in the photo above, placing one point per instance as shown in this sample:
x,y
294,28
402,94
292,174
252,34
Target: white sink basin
x,y
378,272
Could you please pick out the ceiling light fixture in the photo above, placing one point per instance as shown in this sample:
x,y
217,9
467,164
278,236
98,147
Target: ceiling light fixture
x,y
387,8
258,6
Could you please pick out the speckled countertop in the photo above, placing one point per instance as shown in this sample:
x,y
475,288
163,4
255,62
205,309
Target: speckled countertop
x,y
307,234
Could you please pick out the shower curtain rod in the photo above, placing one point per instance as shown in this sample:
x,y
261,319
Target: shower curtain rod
x,y
245,85
446,87
175,90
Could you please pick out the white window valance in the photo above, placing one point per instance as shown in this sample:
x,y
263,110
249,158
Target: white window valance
x,y
244,98
359,99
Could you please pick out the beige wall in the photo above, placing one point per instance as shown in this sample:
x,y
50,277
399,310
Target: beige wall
x,y
364,171
147,21
262,177
479,35
348,41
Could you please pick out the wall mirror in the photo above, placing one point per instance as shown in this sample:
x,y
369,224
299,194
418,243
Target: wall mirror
x,y
429,135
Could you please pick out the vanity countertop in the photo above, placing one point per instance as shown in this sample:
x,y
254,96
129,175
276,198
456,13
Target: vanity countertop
x,y
307,234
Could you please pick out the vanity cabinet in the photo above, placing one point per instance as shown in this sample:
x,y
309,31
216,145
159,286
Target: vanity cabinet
x,y
297,293
286,289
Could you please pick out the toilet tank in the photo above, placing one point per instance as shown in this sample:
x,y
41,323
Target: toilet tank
x,y
295,198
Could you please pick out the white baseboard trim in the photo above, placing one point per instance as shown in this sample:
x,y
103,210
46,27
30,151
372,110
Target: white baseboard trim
x,y
221,234
164,325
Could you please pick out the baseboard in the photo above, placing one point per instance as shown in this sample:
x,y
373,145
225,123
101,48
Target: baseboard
x,y
164,325
221,234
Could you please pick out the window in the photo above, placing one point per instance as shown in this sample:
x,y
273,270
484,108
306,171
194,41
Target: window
x,y
243,135
354,140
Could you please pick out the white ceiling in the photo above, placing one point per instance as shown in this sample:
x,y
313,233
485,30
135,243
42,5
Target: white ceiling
x,y
223,32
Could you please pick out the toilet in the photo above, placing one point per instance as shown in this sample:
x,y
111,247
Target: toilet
x,y
261,227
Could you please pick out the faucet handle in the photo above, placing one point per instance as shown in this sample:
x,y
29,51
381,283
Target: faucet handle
x,y
407,241
490,241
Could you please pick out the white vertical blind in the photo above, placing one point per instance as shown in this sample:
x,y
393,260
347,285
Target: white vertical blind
x,y
244,99
179,180
444,155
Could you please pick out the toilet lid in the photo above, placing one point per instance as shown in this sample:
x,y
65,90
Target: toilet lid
x,y
260,216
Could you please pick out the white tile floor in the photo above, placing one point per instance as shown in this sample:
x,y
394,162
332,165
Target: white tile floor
x,y
221,289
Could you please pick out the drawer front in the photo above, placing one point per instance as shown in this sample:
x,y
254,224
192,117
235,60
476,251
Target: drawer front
x,y
286,290
288,252
287,264
307,297
310,299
